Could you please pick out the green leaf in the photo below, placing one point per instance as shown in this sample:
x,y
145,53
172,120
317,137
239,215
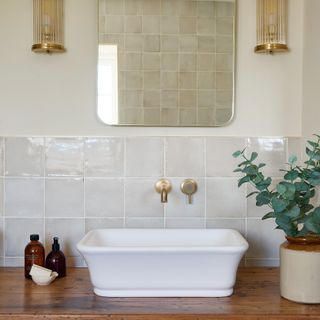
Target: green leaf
x,y
237,170
263,198
237,154
291,175
293,160
252,193
306,208
283,222
244,163
251,170
262,185
312,226
243,180
301,186
269,216
313,144
281,188
261,165
314,155
316,215
293,213
254,156
314,182
278,205
310,163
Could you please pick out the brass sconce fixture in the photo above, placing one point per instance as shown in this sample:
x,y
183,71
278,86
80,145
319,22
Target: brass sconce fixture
x,y
271,26
48,26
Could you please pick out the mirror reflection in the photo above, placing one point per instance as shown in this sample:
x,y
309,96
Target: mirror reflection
x,y
166,62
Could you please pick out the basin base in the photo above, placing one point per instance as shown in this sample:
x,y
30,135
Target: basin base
x,y
163,293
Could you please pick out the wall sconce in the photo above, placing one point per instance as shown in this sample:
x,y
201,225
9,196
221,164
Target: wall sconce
x,y
271,26
48,26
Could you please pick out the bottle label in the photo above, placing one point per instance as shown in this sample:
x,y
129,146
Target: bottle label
x,y
32,256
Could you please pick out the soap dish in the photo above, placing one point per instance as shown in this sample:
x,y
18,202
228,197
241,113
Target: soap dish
x,y
44,280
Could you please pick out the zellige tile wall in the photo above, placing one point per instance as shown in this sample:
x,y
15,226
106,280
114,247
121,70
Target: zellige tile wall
x,y
67,186
175,59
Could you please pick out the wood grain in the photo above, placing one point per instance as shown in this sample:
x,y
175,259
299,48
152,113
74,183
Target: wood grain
x,y
256,297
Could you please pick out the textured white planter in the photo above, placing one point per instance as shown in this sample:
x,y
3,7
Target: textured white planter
x,y
300,271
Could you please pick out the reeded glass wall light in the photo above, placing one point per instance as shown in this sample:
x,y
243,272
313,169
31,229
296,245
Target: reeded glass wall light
x,y
271,26
48,26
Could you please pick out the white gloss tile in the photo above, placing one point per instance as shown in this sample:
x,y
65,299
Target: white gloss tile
x,y
295,148
141,199
178,205
64,197
24,157
64,156
75,262
14,262
262,262
24,197
104,197
104,157
144,156
154,223
264,240
1,197
236,224
225,199
184,157
69,231
1,238
103,223
1,156
185,223
219,159
17,234
272,152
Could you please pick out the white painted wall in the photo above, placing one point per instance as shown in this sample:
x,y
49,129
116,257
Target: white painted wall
x,y
311,87
55,95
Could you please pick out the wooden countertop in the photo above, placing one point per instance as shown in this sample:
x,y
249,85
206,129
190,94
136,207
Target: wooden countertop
x,y
256,297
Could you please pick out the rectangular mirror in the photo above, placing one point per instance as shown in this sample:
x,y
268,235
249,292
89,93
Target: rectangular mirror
x,y
166,62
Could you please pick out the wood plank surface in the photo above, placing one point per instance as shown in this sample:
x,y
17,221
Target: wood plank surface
x,y
256,297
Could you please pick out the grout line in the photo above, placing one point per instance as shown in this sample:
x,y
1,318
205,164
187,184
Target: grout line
x,y
205,179
44,156
4,199
84,183
124,180
164,146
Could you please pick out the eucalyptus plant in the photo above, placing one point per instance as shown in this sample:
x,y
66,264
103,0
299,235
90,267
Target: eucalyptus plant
x,y
290,200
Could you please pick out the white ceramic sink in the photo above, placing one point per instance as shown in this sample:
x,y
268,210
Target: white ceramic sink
x,y
163,262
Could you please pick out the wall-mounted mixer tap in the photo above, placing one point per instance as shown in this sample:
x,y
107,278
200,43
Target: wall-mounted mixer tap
x,y
163,187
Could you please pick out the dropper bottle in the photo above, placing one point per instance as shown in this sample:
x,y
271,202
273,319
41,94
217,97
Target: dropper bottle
x,y
56,260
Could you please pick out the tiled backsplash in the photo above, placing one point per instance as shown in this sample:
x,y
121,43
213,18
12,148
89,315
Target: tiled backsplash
x,y
67,186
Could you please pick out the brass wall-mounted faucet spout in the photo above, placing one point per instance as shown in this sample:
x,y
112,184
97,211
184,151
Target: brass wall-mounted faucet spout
x,y
163,187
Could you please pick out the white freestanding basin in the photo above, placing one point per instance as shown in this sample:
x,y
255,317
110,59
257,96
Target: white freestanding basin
x,y
163,262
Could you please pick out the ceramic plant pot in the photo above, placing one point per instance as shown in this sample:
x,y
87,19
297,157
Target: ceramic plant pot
x,y
300,269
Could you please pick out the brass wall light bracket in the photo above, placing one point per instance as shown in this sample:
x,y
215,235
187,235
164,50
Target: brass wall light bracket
x,y
271,26
48,26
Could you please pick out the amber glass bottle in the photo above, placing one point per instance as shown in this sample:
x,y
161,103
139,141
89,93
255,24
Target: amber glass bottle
x,y
56,260
33,254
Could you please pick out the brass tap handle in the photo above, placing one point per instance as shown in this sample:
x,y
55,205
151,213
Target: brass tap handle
x,y
163,187
189,187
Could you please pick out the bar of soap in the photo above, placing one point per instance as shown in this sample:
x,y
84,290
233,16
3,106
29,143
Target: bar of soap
x,y
39,271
